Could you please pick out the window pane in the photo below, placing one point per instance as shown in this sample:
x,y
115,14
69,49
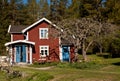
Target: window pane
x,y
45,47
44,33
46,52
42,52
42,47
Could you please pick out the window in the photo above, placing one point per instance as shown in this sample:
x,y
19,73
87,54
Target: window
x,y
44,51
26,36
43,32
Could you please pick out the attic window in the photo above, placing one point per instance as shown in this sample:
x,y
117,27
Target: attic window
x,y
43,33
26,36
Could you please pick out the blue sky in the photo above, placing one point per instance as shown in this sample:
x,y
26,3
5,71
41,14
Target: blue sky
x,y
25,1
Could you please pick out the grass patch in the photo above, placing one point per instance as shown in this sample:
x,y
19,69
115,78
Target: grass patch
x,y
37,65
97,69
40,77
81,65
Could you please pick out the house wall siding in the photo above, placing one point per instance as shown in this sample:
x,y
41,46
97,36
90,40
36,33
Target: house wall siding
x,y
53,43
18,37
72,54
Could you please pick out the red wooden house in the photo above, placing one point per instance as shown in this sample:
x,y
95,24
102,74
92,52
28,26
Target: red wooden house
x,y
33,43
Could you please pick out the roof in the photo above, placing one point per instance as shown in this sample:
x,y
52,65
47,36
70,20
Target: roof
x,y
43,19
23,29
65,42
16,29
20,41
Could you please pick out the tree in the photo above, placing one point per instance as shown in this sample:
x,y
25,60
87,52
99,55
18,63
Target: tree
x,y
58,9
105,34
53,9
76,9
4,23
33,11
44,9
82,32
113,11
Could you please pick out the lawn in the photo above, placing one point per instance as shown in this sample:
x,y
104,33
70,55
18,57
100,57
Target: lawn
x,y
108,71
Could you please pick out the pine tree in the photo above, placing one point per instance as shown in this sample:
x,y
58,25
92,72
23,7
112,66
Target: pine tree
x,y
77,10
113,11
44,9
53,10
32,8
4,23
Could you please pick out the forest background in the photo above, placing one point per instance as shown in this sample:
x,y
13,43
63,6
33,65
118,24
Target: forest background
x,y
26,12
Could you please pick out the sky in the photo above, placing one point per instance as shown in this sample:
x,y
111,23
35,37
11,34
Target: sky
x,y
25,1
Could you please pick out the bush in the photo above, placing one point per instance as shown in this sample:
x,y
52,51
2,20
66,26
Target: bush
x,y
105,55
14,74
46,64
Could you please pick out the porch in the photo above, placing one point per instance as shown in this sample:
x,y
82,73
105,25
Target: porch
x,y
20,51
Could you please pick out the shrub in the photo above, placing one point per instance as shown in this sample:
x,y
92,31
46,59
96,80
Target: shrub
x,y
14,74
46,64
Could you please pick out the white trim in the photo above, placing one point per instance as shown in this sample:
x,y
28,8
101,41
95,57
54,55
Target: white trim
x,y
60,50
11,37
15,54
40,33
43,19
26,54
9,28
20,41
27,37
30,54
69,52
40,50
61,57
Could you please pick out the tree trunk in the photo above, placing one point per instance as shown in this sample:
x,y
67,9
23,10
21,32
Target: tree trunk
x,y
84,51
101,50
76,55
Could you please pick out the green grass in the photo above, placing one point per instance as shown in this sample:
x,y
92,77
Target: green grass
x,y
98,69
38,65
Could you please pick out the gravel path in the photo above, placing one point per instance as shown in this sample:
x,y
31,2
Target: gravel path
x,y
41,68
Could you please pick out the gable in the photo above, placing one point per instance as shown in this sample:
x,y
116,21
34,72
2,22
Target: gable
x,y
38,22
36,27
23,29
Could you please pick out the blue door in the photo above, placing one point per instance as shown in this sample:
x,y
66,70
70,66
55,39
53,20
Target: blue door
x,y
65,53
17,53
21,53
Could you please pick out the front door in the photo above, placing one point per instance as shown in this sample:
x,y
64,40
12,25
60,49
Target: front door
x,y
21,53
65,53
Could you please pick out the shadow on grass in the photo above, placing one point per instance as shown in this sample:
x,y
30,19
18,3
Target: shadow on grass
x,y
117,63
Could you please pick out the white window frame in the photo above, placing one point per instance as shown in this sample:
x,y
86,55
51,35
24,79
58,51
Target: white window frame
x,y
44,37
26,36
44,48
